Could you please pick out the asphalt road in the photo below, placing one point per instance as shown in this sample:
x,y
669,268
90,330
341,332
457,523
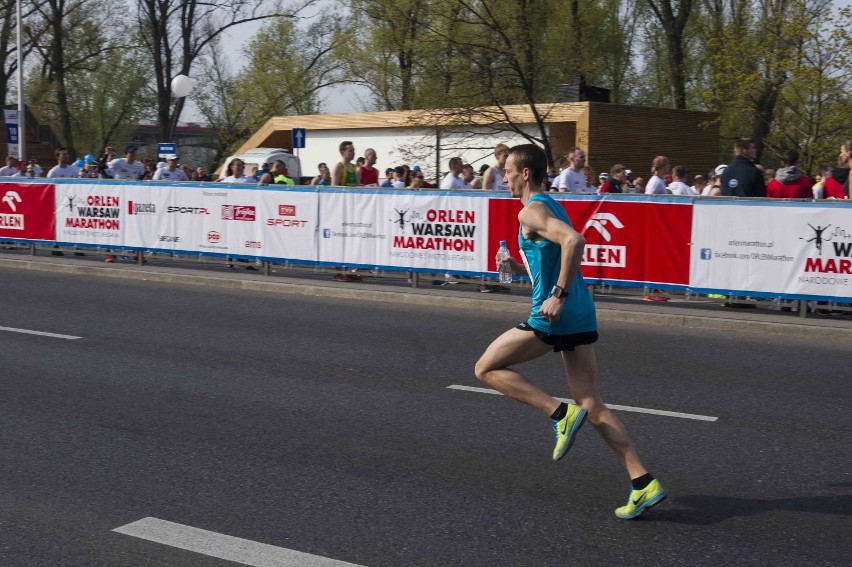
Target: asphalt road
x,y
328,427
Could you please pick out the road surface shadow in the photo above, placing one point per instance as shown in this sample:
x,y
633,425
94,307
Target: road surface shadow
x,y
706,509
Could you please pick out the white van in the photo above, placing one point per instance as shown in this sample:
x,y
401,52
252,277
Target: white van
x,y
255,158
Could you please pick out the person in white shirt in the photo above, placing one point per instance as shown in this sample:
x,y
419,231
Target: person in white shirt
x,y
677,186
127,167
492,180
11,167
171,172
236,173
398,178
63,168
571,179
659,169
452,179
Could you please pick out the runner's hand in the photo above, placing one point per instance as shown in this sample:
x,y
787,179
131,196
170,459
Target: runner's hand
x,y
552,308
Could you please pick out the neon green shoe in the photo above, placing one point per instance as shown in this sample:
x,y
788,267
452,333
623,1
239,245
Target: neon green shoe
x,y
641,500
566,430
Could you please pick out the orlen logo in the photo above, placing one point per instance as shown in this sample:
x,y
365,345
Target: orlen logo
x,y
604,254
286,210
188,210
213,237
239,212
253,244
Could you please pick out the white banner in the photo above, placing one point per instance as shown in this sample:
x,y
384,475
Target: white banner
x,y
421,231
288,221
90,213
802,249
10,117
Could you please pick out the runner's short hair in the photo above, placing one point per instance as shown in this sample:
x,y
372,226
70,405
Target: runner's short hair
x,y
344,144
531,157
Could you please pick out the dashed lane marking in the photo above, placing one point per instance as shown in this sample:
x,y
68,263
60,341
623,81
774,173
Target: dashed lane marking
x,y
610,406
229,548
39,333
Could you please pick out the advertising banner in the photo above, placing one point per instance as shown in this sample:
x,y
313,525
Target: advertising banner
x,y
801,249
629,241
90,213
420,231
288,223
10,117
27,211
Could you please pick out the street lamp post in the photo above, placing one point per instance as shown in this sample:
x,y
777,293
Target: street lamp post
x,y
22,140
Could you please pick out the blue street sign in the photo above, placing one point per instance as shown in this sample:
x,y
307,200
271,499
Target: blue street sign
x,y
299,135
166,149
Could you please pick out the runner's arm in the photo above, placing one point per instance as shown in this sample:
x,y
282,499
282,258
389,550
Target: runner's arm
x,y
538,218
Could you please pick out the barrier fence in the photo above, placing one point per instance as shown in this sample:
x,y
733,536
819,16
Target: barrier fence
x,y
760,248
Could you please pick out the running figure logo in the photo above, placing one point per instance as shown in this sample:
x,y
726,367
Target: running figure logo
x,y
599,222
10,198
817,239
70,204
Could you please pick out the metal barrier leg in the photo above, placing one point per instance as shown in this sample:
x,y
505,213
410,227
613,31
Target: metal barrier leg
x,y
803,308
140,258
415,279
267,268
32,250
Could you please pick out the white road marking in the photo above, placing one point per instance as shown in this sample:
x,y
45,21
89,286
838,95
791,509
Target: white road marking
x,y
229,548
610,406
40,333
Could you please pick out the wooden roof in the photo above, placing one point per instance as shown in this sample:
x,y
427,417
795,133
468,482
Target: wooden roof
x,y
518,114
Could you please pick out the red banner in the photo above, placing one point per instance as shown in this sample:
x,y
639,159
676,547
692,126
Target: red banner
x,y
627,241
27,211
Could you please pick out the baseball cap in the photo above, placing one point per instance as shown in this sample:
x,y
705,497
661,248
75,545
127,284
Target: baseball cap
x,y
171,157
415,168
603,176
628,172
720,169
130,148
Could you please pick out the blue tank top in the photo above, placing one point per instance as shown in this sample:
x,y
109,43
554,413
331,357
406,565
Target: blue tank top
x,y
543,260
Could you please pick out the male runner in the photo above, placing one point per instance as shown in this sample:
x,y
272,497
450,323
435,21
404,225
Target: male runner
x,y
563,319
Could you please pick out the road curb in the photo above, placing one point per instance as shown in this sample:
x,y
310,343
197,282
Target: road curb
x,y
412,297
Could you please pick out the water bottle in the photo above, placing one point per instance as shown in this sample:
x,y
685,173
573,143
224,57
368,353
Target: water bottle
x,y
505,267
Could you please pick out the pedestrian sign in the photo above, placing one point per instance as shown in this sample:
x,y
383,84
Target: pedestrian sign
x,y
299,135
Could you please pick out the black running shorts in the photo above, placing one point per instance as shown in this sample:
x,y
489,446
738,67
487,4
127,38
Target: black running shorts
x,y
562,342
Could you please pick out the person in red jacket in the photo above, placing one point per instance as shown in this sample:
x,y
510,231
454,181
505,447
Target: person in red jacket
x,y
837,184
790,182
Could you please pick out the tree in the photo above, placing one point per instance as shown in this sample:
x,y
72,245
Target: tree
x,y
176,33
673,24
69,40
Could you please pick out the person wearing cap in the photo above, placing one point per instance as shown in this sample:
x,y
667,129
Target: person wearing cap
x,y
398,177
11,167
416,170
836,185
63,167
171,172
127,167
742,178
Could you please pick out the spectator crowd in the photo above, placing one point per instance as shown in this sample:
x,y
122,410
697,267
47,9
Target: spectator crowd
x,y
742,177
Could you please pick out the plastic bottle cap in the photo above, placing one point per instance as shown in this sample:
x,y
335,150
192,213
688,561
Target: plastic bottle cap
x,y
502,243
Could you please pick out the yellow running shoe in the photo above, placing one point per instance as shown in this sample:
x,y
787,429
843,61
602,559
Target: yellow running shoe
x,y
566,430
641,500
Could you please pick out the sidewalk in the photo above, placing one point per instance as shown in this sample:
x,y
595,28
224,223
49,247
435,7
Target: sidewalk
x,y
625,305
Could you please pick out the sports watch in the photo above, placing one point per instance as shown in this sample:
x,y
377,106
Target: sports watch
x,y
558,292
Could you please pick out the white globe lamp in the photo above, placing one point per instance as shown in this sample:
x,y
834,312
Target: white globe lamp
x,y
182,86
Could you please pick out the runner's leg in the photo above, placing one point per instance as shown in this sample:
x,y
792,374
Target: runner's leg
x,y
581,366
514,347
